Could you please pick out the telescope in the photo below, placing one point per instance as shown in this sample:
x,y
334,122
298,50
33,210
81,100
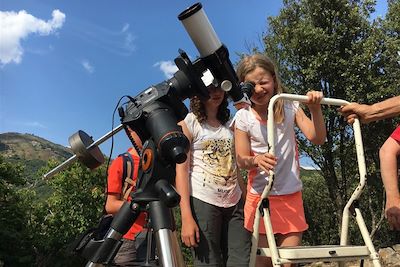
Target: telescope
x,y
153,114
185,83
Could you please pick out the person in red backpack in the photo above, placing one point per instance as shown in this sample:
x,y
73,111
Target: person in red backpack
x,y
117,193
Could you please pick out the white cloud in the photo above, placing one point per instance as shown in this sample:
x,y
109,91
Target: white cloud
x,y
129,38
120,42
87,66
125,27
167,67
15,27
128,42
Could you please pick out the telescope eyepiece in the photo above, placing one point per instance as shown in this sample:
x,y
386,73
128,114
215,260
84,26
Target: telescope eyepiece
x,y
174,147
247,88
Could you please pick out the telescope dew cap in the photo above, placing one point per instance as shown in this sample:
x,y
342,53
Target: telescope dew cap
x,y
190,11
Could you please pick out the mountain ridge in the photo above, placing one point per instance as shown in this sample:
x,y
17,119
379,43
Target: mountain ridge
x,y
32,150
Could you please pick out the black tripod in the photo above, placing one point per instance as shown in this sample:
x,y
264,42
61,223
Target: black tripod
x,y
157,196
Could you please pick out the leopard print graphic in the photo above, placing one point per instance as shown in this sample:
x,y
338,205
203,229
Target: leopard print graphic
x,y
219,154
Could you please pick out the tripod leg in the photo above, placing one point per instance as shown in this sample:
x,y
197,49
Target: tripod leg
x,y
105,251
164,230
151,258
149,246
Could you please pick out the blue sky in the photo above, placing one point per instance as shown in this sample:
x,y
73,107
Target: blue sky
x,y
65,64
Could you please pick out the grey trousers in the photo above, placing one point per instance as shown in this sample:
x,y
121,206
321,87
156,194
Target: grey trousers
x,y
126,255
223,239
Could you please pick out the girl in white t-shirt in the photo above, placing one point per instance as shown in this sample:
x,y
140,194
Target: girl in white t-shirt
x,y
285,199
209,185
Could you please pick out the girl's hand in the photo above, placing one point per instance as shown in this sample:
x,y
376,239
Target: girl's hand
x,y
265,161
314,99
190,232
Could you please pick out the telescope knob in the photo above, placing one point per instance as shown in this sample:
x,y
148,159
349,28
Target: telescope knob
x,y
226,85
168,194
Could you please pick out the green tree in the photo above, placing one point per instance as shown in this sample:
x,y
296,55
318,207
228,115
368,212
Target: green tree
x,y
75,205
15,250
335,47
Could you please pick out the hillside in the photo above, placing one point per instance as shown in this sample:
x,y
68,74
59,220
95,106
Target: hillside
x,y
31,150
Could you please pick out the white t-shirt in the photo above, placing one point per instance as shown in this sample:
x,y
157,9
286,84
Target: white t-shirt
x,y
287,171
213,172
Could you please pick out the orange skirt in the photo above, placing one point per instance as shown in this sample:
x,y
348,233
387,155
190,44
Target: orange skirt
x,y
287,213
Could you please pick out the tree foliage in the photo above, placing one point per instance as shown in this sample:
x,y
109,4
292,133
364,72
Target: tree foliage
x,y
37,231
14,249
335,46
75,205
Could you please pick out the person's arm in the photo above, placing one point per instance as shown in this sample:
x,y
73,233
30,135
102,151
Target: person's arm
x,y
113,203
190,233
244,157
369,113
242,148
314,129
242,183
114,198
388,154
240,178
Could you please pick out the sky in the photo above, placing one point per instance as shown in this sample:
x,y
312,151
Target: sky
x,y
65,64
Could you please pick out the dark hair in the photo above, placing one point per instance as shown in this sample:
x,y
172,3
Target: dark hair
x,y
199,110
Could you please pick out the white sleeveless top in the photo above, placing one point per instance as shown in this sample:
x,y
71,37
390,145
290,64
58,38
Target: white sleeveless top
x,y
213,172
287,171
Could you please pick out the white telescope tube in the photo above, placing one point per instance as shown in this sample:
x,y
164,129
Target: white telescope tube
x,y
200,30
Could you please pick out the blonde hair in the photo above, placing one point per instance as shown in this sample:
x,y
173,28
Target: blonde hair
x,y
249,64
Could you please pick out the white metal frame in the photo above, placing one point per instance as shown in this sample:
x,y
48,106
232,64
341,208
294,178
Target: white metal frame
x,y
303,254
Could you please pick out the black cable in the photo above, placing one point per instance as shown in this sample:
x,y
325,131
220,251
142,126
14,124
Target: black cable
x,y
112,136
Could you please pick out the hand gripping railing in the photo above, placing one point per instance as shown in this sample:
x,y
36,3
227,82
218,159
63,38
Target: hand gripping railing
x,y
309,254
